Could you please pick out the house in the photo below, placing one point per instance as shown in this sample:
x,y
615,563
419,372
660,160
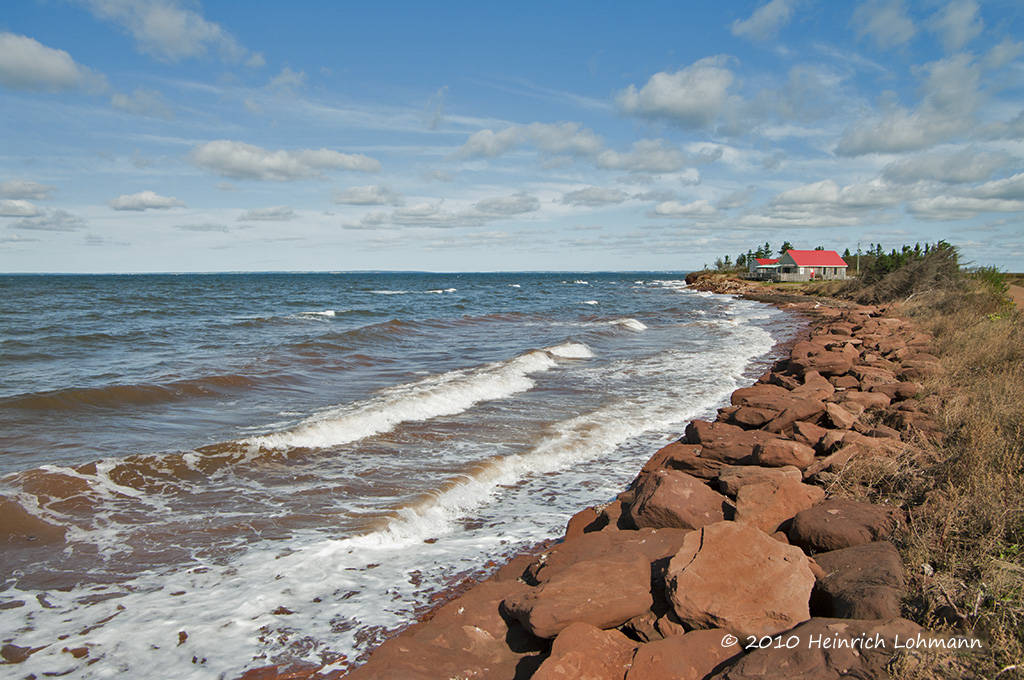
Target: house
x,y
763,267
810,265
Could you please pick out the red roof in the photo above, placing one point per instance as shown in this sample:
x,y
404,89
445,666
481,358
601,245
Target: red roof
x,y
764,260
816,258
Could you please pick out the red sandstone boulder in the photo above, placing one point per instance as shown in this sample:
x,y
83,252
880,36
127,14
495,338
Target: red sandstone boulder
x,y
782,380
827,363
771,397
814,387
840,328
808,433
724,442
877,431
666,454
845,382
666,498
603,593
686,458
585,521
654,544
805,409
692,656
833,462
862,582
869,375
781,452
735,477
771,504
735,577
899,391
844,656
839,416
839,523
866,400
583,651
750,417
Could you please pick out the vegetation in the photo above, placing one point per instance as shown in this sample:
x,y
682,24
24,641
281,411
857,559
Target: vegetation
x,y
963,546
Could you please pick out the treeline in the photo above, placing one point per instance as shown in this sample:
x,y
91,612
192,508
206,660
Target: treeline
x,y
870,265
744,260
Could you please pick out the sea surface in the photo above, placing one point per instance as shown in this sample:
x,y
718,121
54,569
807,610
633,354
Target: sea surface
x,y
206,473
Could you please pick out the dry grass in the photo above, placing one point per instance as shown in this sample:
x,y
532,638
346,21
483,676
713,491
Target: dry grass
x,y
963,544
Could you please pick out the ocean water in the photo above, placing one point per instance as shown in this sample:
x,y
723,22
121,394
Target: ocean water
x,y
210,473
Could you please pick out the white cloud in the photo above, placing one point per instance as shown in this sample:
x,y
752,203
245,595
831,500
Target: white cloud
x,y
23,188
368,195
288,81
143,102
433,114
19,208
1002,54
26,64
957,24
952,98
690,97
502,206
766,21
594,196
203,226
51,220
438,176
561,138
434,215
647,155
954,208
826,204
144,200
826,195
169,32
697,210
278,213
961,167
1011,129
246,161
885,21
737,199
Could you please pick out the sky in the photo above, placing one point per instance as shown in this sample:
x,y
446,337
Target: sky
x,y
181,136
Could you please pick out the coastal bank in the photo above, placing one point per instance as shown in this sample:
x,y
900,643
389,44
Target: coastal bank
x,y
729,555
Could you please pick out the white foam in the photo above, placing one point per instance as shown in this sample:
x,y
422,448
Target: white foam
x,y
514,285
326,312
570,350
631,324
590,302
390,292
442,290
432,397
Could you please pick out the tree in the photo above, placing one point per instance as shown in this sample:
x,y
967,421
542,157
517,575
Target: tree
x,y
846,253
786,247
819,248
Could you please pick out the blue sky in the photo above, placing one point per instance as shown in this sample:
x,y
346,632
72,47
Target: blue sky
x,y
178,135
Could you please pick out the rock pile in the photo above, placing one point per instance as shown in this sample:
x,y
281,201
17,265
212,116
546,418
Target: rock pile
x,y
723,559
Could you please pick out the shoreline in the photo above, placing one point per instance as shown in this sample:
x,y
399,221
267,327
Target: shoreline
x,y
509,642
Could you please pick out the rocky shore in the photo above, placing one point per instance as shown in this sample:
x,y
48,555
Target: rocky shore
x,y
727,557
